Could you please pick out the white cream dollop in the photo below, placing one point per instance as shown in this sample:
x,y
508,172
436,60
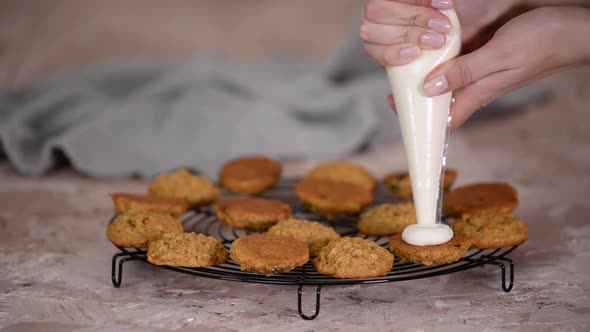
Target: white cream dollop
x,y
424,125
427,235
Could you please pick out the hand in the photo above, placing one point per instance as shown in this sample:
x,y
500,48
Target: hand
x,y
527,48
395,32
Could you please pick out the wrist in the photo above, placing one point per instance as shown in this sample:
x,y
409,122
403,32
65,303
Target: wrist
x,y
567,34
580,30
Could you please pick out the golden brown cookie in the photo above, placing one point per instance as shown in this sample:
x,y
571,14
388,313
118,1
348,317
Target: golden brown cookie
x,y
252,175
196,190
353,258
343,171
138,229
475,198
313,233
399,183
490,230
332,199
269,254
387,219
187,250
126,203
251,213
445,253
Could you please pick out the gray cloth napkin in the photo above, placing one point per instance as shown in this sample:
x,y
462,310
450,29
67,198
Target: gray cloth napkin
x,y
144,118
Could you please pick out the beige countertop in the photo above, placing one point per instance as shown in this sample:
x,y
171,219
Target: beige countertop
x,y
55,259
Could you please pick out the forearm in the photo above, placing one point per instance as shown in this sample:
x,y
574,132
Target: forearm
x,y
509,9
564,32
579,19
553,3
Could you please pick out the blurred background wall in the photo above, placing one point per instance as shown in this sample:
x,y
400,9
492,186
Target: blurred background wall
x,y
38,37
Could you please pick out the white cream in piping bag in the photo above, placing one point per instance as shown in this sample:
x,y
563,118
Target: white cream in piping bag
x,y
424,123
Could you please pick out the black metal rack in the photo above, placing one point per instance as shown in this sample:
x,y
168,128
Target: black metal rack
x,y
205,222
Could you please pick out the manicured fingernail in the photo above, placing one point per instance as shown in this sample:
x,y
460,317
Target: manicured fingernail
x,y
433,39
409,52
440,25
442,4
436,86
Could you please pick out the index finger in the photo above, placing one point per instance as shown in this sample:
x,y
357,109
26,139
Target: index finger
x,y
438,4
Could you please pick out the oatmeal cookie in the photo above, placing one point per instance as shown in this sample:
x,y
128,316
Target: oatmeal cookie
x,y
475,198
332,199
353,258
196,190
343,171
313,233
187,250
387,219
251,175
269,254
138,229
445,253
126,203
490,230
251,213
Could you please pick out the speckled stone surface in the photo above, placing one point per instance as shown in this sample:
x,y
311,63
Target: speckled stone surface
x,y
55,259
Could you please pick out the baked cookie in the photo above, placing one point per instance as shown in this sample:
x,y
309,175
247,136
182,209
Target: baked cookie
x,y
187,250
332,199
251,213
138,229
490,230
313,233
387,219
196,190
252,175
475,198
353,258
401,187
126,203
445,253
269,254
343,171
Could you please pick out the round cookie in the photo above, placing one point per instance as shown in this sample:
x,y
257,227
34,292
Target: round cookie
x,y
313,233
445,253
343,171
401,187
138,229
353,258
490,230
269,254
475,198
187,250
196,190
332,199
251,175
251,213
387,219
126,203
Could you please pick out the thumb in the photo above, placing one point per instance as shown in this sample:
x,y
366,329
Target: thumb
x,y
462,71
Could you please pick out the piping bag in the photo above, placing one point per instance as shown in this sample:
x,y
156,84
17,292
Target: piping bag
x,y
424,123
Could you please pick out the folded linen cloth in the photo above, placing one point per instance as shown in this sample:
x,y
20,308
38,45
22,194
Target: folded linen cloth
x,y
139,119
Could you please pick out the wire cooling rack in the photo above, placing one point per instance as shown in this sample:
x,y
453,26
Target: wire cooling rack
x,y
205,221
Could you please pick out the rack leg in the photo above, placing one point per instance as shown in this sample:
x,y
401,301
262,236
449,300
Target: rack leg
x,y
506,288
317,303
117,274
511,275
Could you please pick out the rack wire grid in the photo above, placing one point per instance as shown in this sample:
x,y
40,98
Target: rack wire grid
x,y
204,221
